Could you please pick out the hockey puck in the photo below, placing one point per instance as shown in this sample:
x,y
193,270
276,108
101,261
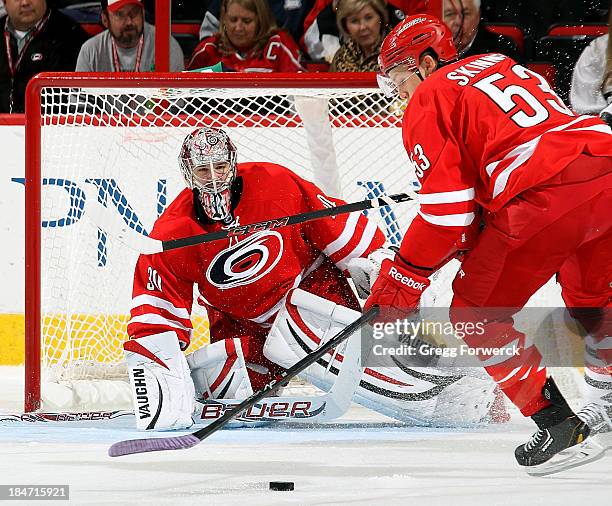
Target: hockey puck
x,y
282,485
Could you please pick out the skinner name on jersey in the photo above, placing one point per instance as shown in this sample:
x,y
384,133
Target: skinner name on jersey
x,y
464,73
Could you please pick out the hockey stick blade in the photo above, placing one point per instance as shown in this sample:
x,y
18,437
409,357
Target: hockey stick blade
x,y
61,417
108,221
190,440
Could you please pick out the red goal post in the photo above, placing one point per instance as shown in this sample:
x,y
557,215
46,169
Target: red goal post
x,y
99,133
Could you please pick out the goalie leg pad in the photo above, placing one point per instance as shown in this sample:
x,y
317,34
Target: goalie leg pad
x,y
415,395
315,318
162,389
219,370
464,402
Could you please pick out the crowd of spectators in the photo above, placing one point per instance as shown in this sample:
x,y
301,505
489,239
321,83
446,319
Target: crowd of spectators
x,y
275,36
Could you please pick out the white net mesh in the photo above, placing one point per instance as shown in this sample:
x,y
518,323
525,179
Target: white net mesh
x,y
121,146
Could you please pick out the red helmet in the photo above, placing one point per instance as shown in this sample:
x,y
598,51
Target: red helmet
x,y
410,38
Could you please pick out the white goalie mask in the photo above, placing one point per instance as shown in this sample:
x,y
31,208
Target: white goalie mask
x,y
208,164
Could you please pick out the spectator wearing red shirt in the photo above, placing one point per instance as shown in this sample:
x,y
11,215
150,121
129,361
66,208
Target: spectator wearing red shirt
x,y
248,41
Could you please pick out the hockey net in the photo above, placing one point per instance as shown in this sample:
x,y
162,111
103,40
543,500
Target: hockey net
x,y
117,140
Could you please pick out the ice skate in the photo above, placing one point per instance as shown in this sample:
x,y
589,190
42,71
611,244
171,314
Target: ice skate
x,y
561,440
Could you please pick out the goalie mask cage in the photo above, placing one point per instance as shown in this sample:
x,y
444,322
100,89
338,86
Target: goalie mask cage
x,y
116,139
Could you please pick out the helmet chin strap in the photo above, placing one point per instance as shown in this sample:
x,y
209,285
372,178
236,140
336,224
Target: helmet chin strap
x,y
419,75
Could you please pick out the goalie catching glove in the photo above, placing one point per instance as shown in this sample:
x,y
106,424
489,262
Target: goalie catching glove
x,y
364,271
397,290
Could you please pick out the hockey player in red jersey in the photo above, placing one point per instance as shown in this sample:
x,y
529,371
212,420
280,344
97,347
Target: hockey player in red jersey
x,y
244,283
486,134
241,282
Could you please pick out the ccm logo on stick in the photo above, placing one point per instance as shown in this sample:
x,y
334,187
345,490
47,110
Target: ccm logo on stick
x,y
405,280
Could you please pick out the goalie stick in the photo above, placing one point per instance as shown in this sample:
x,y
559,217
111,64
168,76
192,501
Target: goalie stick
x,y
190,440
83,416
108,222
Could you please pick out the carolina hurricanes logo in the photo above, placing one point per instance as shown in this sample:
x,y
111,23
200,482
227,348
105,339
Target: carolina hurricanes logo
x,y
247,261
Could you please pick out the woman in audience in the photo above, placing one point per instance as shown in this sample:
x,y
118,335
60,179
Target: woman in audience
x,y
321,35
248,41
363,25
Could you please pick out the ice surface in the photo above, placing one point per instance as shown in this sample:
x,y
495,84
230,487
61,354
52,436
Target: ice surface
x,y
356,463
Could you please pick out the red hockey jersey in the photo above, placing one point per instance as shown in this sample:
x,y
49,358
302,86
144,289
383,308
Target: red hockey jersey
x,y
281,54
246,278
479,132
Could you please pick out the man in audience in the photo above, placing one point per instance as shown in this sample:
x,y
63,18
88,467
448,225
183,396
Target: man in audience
x,y
452,15
36,38
127,44
470,36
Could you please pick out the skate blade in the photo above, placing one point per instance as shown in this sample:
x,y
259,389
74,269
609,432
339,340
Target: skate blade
x,y
576,456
